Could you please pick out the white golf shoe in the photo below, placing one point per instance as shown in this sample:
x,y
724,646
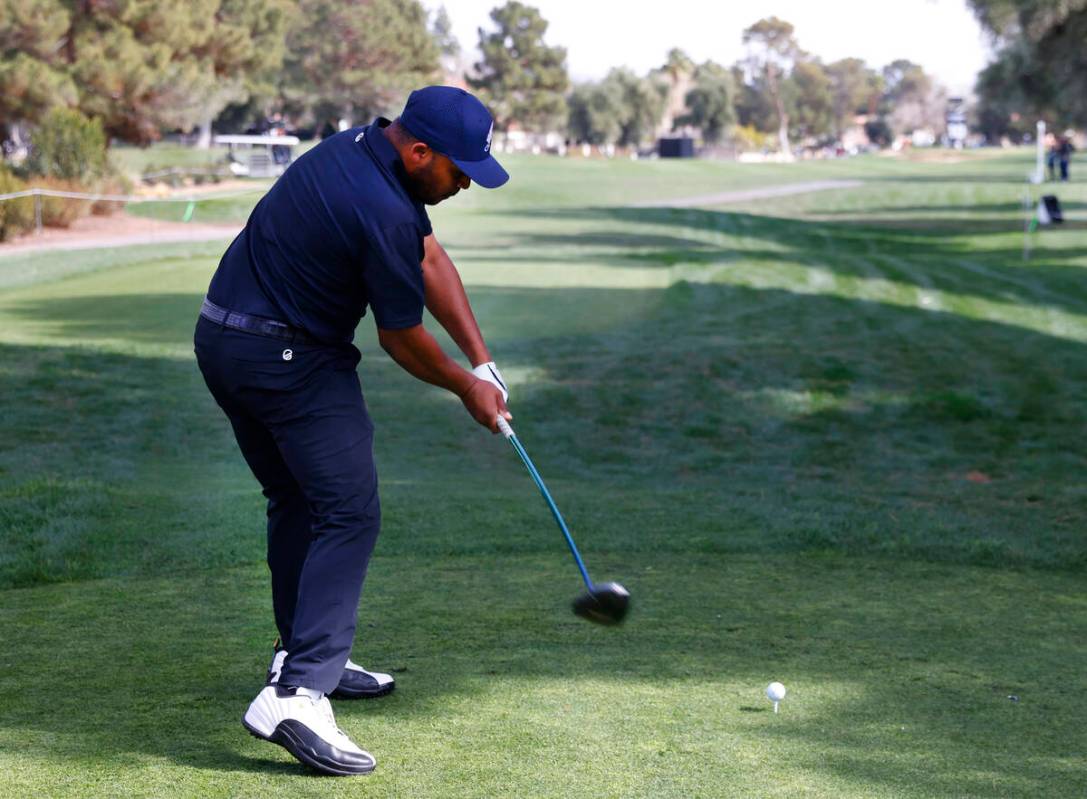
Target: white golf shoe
x,y
301,721
355,683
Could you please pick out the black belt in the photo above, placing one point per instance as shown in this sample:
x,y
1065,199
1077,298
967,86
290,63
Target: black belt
x,y
254,324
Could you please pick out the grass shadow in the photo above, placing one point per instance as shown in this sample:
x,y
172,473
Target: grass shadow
x,y
920,255
836,423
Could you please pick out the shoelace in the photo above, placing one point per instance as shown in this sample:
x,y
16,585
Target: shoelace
x,y
326,711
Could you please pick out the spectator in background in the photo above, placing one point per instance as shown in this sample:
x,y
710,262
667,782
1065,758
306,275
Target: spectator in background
x,y
1065,149
1051,143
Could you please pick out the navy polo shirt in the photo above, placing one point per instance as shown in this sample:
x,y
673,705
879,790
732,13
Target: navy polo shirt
x,y
337,232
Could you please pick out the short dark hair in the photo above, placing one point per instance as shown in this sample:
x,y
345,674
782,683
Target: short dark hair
x,y
401,134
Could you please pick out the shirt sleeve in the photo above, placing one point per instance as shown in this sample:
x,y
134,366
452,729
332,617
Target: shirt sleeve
x,y
394,277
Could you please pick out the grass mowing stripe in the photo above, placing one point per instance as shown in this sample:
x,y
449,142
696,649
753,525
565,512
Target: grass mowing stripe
x,y
46,266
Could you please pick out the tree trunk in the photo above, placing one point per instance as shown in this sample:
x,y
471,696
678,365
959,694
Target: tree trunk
x,y
203,140
779,104
783,134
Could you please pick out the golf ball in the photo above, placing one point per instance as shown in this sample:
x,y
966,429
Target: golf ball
x,y
775,692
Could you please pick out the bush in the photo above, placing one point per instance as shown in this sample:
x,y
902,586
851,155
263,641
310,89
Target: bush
x,y
749,138
62,211
111,185
16,216
68,146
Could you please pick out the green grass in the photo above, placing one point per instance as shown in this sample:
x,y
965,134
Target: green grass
x,y
830,439
134,161
233,206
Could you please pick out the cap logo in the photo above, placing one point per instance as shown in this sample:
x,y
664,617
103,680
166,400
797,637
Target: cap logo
x,y
487,145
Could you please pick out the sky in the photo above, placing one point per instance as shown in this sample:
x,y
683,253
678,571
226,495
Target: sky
x,y
941,35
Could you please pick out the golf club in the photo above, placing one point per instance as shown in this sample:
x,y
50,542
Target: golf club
x,y
605,603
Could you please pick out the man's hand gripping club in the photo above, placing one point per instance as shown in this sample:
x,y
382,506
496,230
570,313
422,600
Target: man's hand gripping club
x,y
420,355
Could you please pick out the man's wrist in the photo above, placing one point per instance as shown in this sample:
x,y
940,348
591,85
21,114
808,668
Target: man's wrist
x,y
489,372
463,384
480,358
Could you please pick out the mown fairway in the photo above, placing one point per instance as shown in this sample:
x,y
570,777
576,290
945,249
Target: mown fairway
x,y
834,439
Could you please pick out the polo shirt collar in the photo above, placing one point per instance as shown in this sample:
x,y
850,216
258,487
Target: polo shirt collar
x,y
383,151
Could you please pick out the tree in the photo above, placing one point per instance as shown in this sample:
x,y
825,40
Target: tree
x,y
753,105
1041,67
442,31
441,28
242,56
1033,20
521,78
855,89
677,64
879,132
904,79
811,101
33,70
595,111
772,51
642,102
138,66
1012,95
354,59
912,99
622,109
711,102
676,76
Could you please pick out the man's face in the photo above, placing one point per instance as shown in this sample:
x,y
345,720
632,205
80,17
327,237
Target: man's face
x,y
436,178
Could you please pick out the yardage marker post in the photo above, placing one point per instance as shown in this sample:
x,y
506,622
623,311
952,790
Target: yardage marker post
x,y
1028,219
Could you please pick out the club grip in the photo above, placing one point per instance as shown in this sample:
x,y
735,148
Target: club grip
x,y
504,427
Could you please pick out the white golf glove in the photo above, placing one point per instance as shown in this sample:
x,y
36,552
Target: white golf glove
x,y
489,372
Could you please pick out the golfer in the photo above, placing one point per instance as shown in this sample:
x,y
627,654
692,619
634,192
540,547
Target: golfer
x,y
344,229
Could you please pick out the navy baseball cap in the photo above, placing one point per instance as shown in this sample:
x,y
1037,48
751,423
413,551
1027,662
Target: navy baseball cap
x,y
457,125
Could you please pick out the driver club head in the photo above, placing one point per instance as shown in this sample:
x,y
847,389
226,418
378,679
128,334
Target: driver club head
x,y
606,603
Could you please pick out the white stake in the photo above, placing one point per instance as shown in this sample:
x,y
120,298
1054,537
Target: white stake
x,y
1039,137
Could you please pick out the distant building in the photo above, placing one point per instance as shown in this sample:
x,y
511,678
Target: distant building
x,y
957,130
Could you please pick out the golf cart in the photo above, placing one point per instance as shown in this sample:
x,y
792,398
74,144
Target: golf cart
x,y
258,156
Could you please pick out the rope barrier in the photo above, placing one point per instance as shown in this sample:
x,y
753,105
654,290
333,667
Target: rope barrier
x,y
128,198
190,199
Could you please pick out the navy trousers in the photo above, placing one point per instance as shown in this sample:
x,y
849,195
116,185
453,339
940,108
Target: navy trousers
x,y
300,419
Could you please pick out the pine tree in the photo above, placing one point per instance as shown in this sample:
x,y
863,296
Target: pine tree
x,y
356,58
138,66
521,78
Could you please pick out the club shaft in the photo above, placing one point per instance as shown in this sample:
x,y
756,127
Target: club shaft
x,y
554,509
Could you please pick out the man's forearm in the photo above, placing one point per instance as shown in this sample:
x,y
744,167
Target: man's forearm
x,y
420,355
448,302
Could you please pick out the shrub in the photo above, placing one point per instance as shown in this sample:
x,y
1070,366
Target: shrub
x,y
110,185
749,138
68,146
16,216
62,211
